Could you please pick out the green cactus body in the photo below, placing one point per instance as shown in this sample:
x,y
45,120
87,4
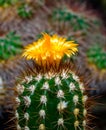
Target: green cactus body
x,y
52,101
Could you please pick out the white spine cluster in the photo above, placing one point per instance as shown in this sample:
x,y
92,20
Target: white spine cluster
x,y
45,86
38,77
42,113
84,123
16,115
32,89
82,87
18,127
64,74
27,100
43,99
26,128
28,79
85,112
20,88
17,101
75,99
62,105
60,94
49,75
75,77
84,99
60,122
57,81
72,87
26,116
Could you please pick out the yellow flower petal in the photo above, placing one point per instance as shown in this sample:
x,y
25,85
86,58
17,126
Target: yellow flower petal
x,y
49,50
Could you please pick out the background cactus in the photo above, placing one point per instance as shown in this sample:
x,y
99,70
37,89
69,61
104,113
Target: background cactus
x,y
11,9
8,2
24,11
10,45
94,57
64,15
97,56
67,20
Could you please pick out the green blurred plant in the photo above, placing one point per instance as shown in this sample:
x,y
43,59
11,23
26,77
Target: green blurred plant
x,y
77,22
10,45
24,11
7,2
97,56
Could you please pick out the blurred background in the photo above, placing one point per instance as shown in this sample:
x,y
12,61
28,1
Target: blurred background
x,y
23,21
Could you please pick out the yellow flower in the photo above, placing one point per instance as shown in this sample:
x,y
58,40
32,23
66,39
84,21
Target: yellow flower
x,y
49,50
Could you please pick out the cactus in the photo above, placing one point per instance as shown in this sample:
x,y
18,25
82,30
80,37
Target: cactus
x,y
97,55
10,45
51,101
96,60
50,95
75,20
21,8
24,11
7,2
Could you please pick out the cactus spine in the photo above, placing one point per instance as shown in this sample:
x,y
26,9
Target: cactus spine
x,y
53,97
